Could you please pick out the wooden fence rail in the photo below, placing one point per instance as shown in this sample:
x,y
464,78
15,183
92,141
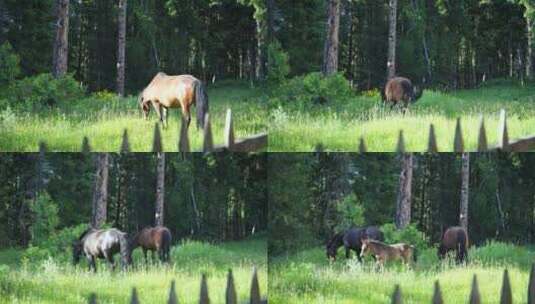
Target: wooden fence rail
x,y
230,293
504,144
231,143
506,296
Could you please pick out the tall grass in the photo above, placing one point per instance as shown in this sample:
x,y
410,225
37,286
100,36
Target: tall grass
x,y
103,122
307,277
339,126
54,282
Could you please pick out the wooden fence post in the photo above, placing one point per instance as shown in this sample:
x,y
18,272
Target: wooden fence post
x,y
437,295
432,144
86,148
401,143
92,298
396,296
204,298
157,139
173,299
503,134
134,299
255,289
362,146
458,142
507,297
125,145
183,139
42,147
475,298
482,145
208,140
531,286
229,131
231,297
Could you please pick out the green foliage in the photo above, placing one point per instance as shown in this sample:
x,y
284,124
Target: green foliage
x,y
45,218
9,64
57,245
314,89
43,90
409,235
350,213
278,66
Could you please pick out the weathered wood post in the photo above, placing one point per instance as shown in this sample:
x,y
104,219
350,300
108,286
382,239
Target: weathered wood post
x,y
173,299
531,286
255,289
208,140
437,294
204,298
507,296
229,131
458,142
475,298
362,146
231,296
503,134
86,147
183,139
401,143
396,296
482,145
134,298
432,144
125,144
157,139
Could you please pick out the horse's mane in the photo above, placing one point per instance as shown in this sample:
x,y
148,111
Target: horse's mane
x,y
85,233
335,238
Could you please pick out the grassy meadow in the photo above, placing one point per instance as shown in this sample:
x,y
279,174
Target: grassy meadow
x,y
308,277
57,281
339,126
103,121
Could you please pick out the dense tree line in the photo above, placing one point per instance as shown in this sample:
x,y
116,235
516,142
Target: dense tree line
x,y
311,196
215,197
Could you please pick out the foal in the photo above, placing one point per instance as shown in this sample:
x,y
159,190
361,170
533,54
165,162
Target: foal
x,y
384,252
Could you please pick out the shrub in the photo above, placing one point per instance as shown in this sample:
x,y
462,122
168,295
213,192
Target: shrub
x,y
43,90
9,64
315,88
410,235
278,64
350,213
46,219
57,245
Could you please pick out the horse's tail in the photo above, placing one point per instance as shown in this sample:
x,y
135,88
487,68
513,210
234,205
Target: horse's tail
x,y
462,240
166,243
201,102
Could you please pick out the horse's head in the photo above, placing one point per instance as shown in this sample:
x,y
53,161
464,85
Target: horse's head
x,y
365,247
441,251
144,106
126,251
331,252
76,251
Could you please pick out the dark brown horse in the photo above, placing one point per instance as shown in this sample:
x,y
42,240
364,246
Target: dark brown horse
x,y
352,240
182,91
454,239
157,239
399,90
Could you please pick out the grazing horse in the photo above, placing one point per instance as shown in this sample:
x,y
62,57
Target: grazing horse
x,y
384,252
399,90
454,239
351,240
182,91
102,244
157,239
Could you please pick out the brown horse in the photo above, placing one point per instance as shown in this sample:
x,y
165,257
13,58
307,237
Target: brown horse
x,y
399,90
182,91
157,239
384,252
454,239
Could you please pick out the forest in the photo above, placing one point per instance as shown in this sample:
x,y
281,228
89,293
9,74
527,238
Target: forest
x,y
214,205
412,198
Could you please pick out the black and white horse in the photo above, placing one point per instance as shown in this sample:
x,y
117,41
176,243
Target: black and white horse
x,y
101,244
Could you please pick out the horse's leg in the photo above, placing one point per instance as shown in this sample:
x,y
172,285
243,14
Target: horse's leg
x,y
111,261
145,255
159,111
186,113
348,253
93,264
359,251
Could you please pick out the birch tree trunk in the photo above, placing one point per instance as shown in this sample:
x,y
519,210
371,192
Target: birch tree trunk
x,y
160,189
61,42
330,51
403,205
465,187
392,37
100,191
529,51
121,47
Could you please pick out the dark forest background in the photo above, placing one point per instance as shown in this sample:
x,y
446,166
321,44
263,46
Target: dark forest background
x,y
312,196
216,197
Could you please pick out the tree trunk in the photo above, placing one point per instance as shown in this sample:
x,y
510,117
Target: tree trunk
x,y
61,43
330,51
121,42
465,187
261,37
529,51
392,35
160,189
403,205
270,7
100,192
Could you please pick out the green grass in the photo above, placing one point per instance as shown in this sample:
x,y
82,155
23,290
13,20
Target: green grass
x,y
339,126
307,277
64,127
54,282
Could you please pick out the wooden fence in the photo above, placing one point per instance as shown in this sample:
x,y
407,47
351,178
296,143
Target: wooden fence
x,y
504,144
231,296
231,143
475,297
